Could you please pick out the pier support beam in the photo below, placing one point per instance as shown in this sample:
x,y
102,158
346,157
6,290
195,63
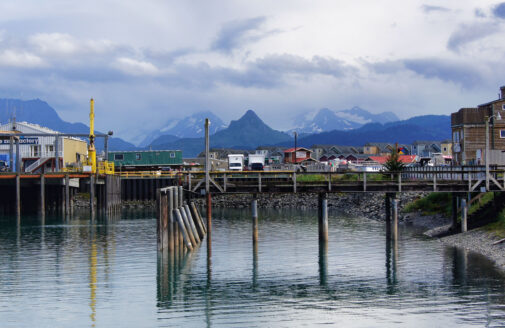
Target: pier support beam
x,y
209,219
92,195
254,208
67,195
323,217
464,215
18,195
42,198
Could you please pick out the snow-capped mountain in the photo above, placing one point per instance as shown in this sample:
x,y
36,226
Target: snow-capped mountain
x,y
327,120
189,127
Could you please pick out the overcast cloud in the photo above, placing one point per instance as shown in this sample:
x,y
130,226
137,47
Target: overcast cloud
x,y
147,62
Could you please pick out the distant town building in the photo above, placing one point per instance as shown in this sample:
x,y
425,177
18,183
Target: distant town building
x,y
298,155
146,159
384,149
426,148
469,133
38,154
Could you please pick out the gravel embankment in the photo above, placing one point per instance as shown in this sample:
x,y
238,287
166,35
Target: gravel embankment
x,y
479,241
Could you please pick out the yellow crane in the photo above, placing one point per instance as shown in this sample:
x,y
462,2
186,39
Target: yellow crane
x,y
91,147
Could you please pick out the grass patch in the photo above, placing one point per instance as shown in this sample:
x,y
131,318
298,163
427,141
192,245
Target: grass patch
x,y
484,200
434,203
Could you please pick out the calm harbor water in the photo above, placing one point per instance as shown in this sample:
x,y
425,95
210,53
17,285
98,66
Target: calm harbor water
x,y
107,273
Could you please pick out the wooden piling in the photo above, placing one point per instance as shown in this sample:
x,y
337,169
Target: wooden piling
x,y
323,217
187,224
42,196
196,219
192,223
464,215
67,194
209,217
254,208
388,215
395,218
171,230
182,228
92,195
18,195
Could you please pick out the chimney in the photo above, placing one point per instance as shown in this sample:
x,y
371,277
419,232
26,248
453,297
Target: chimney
x,y
502,91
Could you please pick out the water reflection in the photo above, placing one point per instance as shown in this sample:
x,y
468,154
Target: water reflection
x,y
323,262
86,272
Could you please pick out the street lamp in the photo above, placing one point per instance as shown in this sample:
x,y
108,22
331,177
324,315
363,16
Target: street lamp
x,y
488,119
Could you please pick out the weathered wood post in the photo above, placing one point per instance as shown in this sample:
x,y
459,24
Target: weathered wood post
x,y
67,194
464,214
171,230
192,224
42,197
323,217
207,187
388,215
395,218
18,195
92,195
198,222
187,225
254,208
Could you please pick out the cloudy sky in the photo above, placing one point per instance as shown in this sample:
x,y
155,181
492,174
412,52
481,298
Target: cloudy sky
x,y
146,62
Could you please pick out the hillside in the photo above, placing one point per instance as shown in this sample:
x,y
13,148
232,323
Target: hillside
x,y
39,112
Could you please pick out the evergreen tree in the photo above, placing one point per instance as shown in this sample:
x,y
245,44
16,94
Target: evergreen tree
x,y
393,163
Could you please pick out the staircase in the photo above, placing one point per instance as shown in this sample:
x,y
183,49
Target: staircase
x,y
38,163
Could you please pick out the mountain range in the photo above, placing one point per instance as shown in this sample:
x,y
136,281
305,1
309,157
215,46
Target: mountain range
x,y
348,127
327,120
189,127
248,132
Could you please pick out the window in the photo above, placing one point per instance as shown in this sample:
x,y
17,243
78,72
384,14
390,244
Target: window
x,y
503,106
118,157
36,151
172,155
502,133
455,136
138,156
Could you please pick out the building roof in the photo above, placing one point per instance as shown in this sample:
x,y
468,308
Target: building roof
x,y
290,150
406,159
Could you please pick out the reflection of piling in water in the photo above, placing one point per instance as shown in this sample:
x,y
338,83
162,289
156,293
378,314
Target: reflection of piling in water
x,y
180,232
323,262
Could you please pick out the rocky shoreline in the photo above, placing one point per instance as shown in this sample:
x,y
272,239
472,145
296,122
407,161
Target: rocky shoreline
x,y
370,205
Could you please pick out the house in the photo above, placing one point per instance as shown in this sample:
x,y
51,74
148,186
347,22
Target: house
x,y
273,154
384,149
446,146
328,152
302,155
37,154
426,148
468,127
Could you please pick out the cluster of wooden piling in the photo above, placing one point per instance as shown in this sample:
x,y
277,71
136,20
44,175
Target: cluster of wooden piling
x,y
180,225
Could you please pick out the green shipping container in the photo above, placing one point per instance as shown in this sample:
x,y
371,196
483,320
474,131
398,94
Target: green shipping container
x,y
146,158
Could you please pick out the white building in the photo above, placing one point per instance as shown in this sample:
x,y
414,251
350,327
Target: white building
x,y
38,153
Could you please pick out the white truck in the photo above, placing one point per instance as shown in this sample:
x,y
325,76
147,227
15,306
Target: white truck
x,y
256,162
235,162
